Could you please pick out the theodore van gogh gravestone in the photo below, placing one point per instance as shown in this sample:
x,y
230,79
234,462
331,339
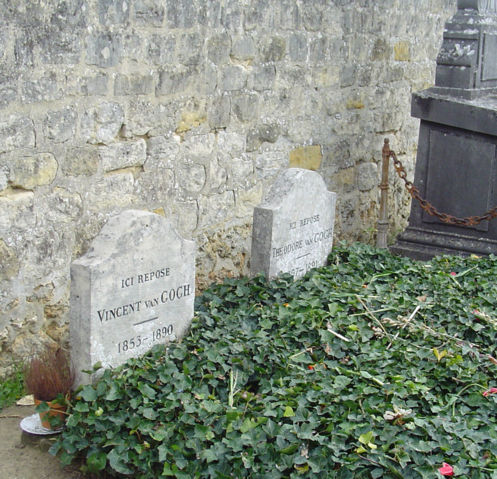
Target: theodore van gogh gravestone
x,y
293,227
134,288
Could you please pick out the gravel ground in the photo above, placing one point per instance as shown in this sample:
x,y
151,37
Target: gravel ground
x,y
24,456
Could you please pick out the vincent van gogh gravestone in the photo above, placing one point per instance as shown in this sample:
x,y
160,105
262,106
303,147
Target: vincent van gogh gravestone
x,y
293,226
134,288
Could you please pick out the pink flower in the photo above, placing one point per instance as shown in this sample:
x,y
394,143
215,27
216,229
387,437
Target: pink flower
x,y
446,470
490,391
453,273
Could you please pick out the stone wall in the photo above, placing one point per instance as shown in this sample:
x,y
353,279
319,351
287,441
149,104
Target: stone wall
x,y
190,108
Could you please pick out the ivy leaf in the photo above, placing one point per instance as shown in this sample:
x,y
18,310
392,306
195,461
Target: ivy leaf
x,y
288,412
96,461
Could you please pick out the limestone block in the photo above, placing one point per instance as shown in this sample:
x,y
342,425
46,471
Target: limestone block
x,y
113,12
231,15
297,47
219,112
402,52
80,162
274,50
246,106
3,178
218,48
256,13
243,49
60,126
29,172
123,155
312,17
133,47
17,209
181,13
186,215
191,178
9,266
16,132
190,48
23,49
174,80
308,157
64,205
233,77
161,152
215,209
103,123
318,50
161,49
262,78
44,89
289,17
381,50
267,132
94,86
209,14
133,84
60,47
104,50
8,90
367,176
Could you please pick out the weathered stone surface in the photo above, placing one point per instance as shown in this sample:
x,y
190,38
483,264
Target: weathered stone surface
x,y
246,106
44,89
149,12
104,50
97,85
16,132
175,80
293,226
9,266
102,124
181,13
125,297
308,157
275,49
29,172
367,176
219,111
243,49
61,48
81,162
123,155
133,85
112,12
60,126
218,48
161,49
233,78
190,48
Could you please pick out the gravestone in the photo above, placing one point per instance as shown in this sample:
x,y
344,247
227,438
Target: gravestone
x,y
293,226
456,165
134,288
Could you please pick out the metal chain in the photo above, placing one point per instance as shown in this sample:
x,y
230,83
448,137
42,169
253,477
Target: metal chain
x,y
430,209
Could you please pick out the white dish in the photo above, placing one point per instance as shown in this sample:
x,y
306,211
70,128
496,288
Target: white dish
x,y
32,425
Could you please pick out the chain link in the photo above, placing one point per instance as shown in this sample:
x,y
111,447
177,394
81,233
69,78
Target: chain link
x,y
430,209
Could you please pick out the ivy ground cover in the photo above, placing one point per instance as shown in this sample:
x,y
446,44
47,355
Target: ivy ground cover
x,y
374,366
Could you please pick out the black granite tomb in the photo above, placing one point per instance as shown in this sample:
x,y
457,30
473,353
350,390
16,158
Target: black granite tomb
x,y
456,166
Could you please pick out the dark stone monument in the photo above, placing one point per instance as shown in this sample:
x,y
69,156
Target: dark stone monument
x,y
456,167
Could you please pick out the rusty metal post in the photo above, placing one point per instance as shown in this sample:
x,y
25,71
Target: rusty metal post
x,y
382,229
